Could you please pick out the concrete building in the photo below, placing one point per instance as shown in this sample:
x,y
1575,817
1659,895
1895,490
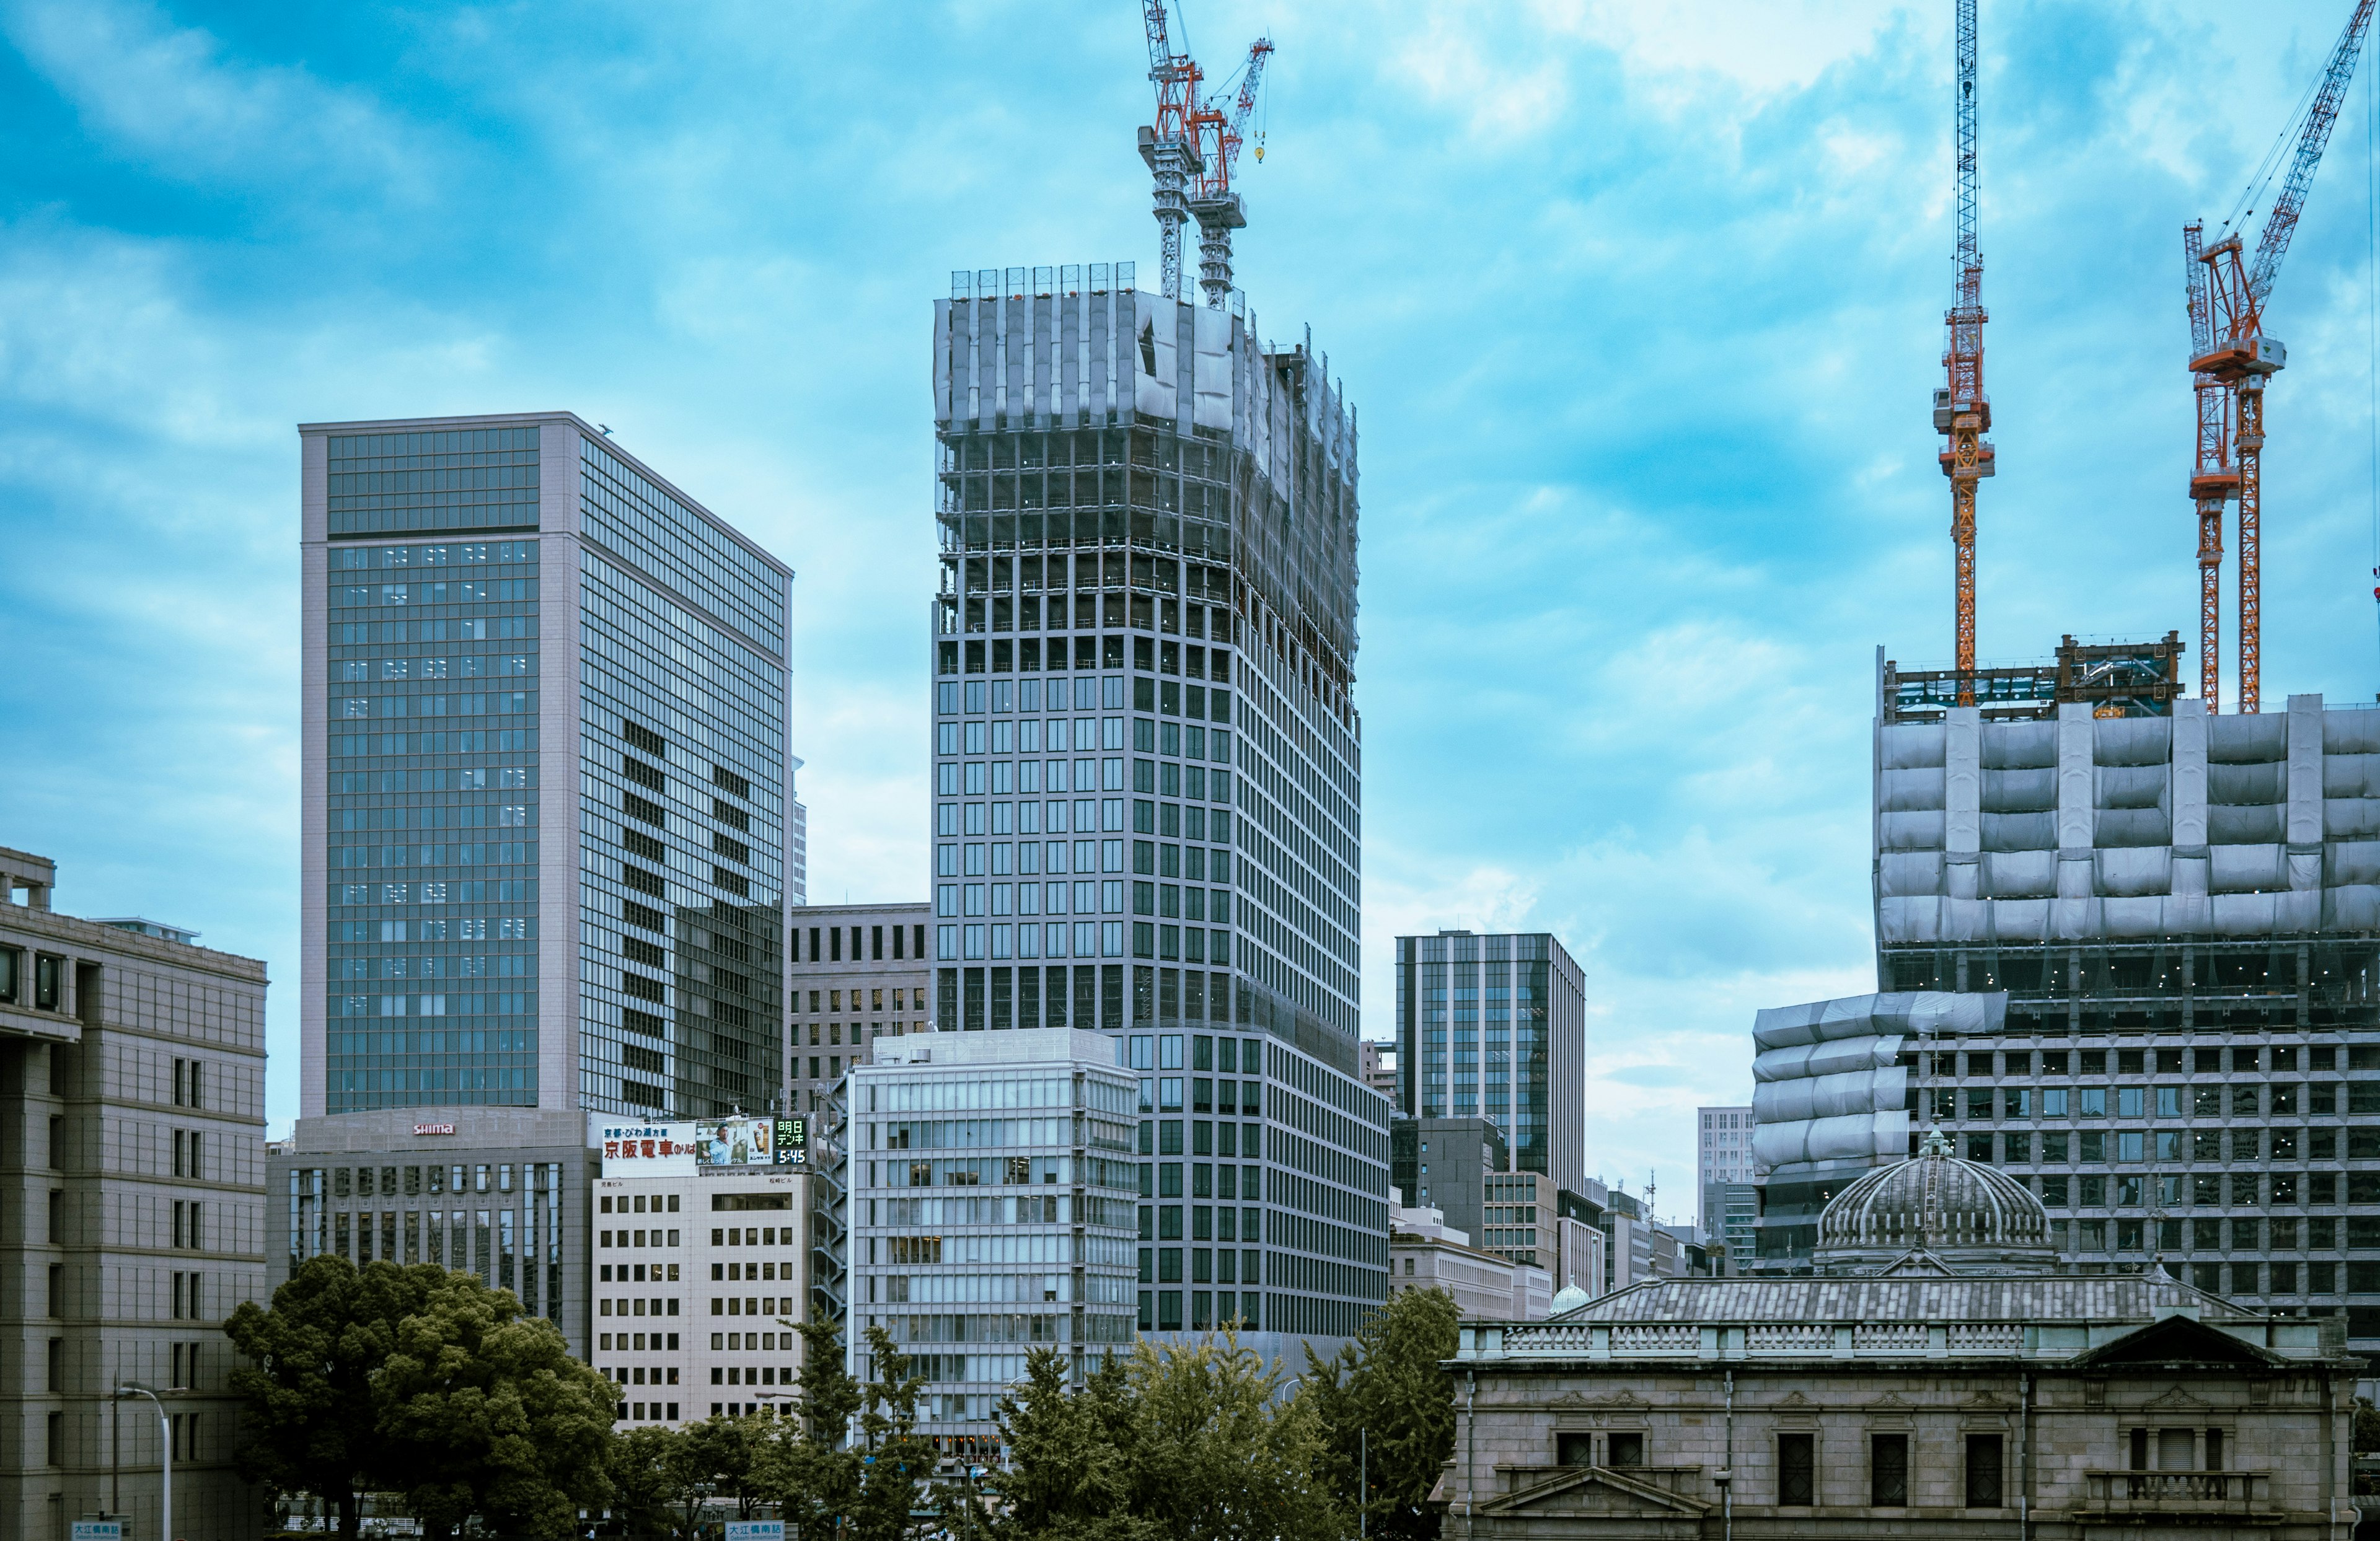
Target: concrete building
x,y
857,973
504,1193
2180,910
1969,1386
1724,1156
1425,1253
1377,1066
1495,1026
701,1264
969,1260
1444,1164
132,1106
1147,769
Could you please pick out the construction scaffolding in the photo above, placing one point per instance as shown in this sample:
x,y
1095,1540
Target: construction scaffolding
x,y
2115,679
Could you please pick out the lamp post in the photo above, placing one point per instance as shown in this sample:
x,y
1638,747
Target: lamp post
x,y
165,1445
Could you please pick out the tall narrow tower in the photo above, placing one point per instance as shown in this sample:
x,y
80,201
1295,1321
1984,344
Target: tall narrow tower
x,y
1146,811
1962,410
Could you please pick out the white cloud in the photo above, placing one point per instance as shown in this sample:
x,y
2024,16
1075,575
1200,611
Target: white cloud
x,y
172,96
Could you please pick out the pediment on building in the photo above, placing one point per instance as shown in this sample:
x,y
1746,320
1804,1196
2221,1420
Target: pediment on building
x,y
1589,1492
2176,1400
2178,1340
1892,1402
1986,1401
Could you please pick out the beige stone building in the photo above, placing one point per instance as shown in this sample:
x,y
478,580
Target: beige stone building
x,y
131,1213
1424,1254
1965,1388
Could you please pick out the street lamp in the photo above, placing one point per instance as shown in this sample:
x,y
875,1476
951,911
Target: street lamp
x,y
165,1443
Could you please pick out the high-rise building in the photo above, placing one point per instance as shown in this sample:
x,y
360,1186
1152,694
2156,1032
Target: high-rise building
x,y
1495,1026
993,1209
2180,909
1147,761
1723,1157
797,839
1376,1065
132,1079
515,628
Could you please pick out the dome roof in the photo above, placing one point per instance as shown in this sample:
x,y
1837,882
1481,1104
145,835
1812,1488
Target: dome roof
x,y
1964,1213
1570,1297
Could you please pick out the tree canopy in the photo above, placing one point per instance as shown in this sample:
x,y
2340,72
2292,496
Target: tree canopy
x,y
422,1382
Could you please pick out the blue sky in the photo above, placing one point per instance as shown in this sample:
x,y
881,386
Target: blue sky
x,y
1640,305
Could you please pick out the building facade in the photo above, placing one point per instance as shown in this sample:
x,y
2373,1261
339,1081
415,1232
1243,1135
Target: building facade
x,y
969,1260
1723,1157
1375,1065
513,627
1425,1253
502,1193
702,1265
1444,1164
857,973
2181,911
1949,1376
1495,1026
132,1119
1147,773
797,841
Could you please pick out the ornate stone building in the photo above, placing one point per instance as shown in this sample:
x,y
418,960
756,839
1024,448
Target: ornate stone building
x,y
1940,1376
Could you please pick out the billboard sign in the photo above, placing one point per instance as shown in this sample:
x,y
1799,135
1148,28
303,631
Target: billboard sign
x,y
728,1147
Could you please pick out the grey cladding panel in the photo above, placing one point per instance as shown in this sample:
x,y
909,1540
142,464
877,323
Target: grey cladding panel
x,y
2021,874
2245,869
2351,732
2131,826
1910,831
2347,817
1911,791
2243,826
2028,791
2351,776
2248,740
1913,746
2129,786
2019,745
2021,832
2131,740
2243,785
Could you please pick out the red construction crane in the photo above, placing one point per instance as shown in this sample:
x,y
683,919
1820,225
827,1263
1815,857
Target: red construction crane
x,y
1192,151
1213,199
1962,410
2230,352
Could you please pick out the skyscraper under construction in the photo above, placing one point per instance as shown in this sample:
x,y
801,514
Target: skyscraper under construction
x,y
1148,765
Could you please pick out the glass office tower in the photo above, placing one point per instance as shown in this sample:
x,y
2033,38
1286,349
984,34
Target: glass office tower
x,y
1495,1026
546,775
1147,769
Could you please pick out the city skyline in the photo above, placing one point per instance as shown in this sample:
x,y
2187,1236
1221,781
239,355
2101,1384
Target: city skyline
x,y
151,246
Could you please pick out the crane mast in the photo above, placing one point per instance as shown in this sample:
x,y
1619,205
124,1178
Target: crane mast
x,y
1213,200
1169,146
1962,410
2214,480
2228,294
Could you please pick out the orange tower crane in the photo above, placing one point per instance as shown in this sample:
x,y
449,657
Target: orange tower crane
x,y
1962,410
2227,294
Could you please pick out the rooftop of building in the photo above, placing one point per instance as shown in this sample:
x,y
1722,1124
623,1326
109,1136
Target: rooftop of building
x,y
1017,1046
27,893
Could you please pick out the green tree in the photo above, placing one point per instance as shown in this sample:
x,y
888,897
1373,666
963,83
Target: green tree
x,y
1386,1402
895,1460
483,1411
730,1455
1218,1453
1069,1474
655,1488
806,1469
305,1380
